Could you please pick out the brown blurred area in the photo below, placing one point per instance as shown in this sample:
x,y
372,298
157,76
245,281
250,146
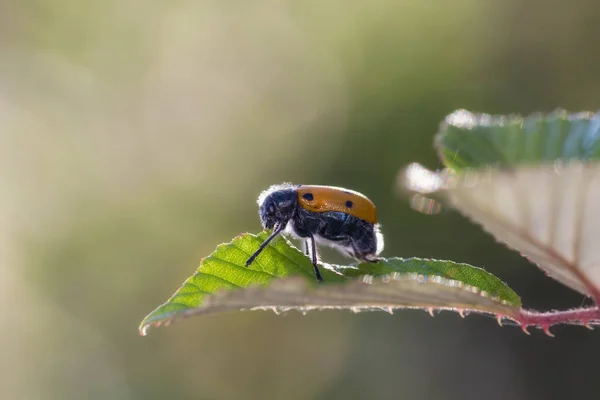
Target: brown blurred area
x,y
136,135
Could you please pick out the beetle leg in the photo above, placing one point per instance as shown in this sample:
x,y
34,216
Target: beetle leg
x,y
264,244
307,247
364,256
365,247
311,238
371,260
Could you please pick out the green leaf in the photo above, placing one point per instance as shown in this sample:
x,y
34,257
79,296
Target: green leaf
x,y
468,140
282,278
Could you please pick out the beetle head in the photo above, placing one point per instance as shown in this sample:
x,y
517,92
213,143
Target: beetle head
x,y
277,205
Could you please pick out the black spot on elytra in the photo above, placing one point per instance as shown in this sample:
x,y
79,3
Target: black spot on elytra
x,y
349,204
308,196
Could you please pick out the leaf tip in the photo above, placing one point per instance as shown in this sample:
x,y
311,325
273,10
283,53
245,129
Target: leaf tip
x,y
143,328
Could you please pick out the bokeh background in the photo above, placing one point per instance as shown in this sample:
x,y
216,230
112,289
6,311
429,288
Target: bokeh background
x,y
136,135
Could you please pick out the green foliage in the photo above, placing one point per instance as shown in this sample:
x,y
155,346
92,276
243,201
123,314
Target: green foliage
x,y
222,282
468,140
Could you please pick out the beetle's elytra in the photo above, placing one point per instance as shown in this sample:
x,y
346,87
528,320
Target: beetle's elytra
x,y
334,216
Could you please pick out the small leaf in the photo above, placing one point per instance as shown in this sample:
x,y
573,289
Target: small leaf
x,y
534,183
282,278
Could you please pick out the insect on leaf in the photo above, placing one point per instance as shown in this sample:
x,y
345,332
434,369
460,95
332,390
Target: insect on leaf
x,y
282,279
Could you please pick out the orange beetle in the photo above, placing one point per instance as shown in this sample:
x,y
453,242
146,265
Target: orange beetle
x,y
341,218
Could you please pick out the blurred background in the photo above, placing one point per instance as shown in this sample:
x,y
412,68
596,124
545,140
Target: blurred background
x,y
136,135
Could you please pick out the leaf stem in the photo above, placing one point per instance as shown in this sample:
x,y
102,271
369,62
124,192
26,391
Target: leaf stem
x,y
586,316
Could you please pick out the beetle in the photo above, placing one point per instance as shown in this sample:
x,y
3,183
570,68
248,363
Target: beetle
x,y
341,218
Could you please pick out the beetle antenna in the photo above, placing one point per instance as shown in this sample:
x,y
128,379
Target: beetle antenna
x,y
264,244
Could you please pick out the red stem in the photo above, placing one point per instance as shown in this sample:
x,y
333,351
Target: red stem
x,y
544,320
